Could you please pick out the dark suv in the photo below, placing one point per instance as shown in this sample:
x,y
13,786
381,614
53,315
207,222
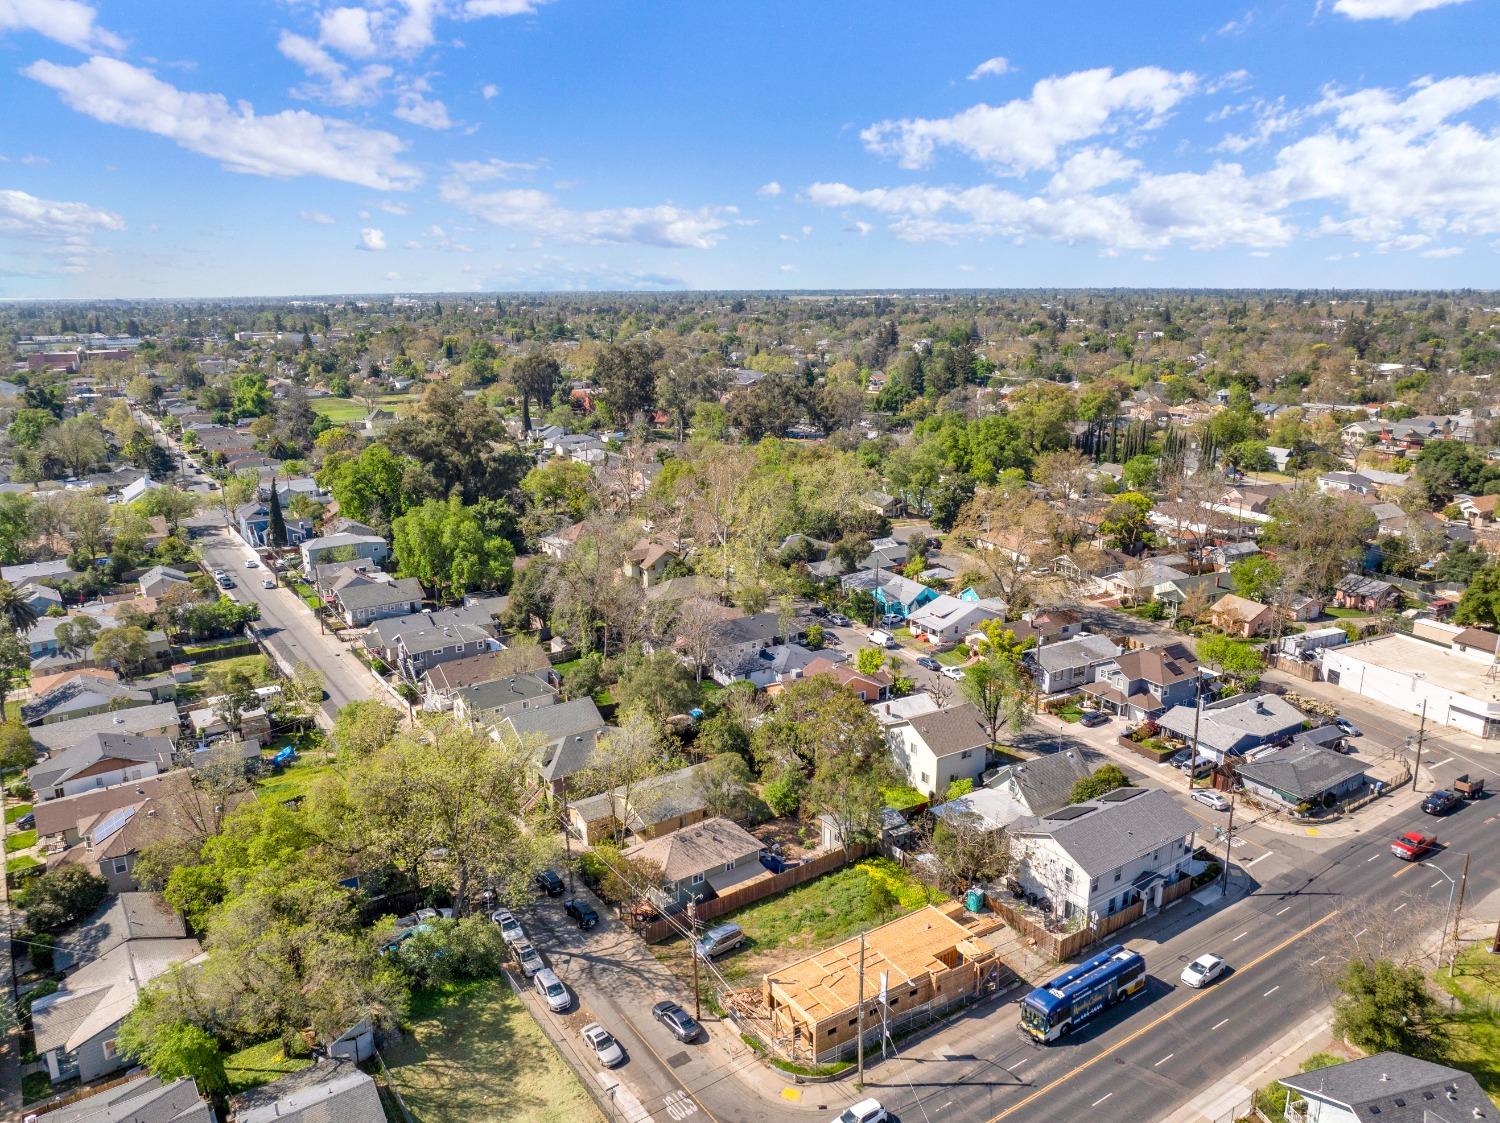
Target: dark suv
x,y
582,912
1440,802
550,884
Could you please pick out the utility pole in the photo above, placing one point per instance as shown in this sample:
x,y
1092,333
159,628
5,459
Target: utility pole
x,y
1228,838
1197,717
693,947
1495,943
860,1017
567,835
1463,882
1421,736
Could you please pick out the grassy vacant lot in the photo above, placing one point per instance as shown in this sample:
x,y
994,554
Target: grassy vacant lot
x,y
821,912
1474,1030
313,761
258,667
259,1064
472,1054
343,410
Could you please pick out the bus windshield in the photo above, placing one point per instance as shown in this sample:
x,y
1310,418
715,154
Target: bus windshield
x,y
1032,1018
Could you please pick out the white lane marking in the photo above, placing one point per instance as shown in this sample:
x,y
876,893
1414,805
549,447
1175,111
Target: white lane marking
x,y
1436,883
1019,1063
1101,1099
1164,1060
1360,933
1240,937
1262,858
946,1106
1272,991
1372,857
1287,909
1440,763
1315,962
1401,906
1225,1022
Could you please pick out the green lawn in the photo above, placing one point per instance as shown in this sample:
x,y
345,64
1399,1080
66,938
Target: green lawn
x,y
21,840
259,1064
829,908
24,862
19,811
1474,1031
953,657
258,667
1345,613
297,780
341,411
473,1054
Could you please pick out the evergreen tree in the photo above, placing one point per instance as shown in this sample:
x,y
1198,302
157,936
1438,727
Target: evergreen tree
x,y
276,532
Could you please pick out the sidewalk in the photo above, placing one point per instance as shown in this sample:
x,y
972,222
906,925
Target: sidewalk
x,y
1229,1097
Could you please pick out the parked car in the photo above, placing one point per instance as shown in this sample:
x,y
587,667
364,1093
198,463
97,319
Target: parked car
x,y
226,582
1180,758
605,1047
1090,718
582,912
676,1019
1213,799
1413,845
1203,970
219,575
838,619
510,928
718,940
955,673
26,821
551,988
549,883
818,610
1440,802
881,639
890,620
866,1111
928,663
251,563
1347,727
528,957
268,584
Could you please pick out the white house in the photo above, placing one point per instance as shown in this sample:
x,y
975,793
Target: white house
x,y
948,619
1386,1087
1095,858
936,748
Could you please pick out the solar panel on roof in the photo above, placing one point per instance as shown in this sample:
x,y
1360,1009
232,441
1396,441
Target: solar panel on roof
x,y
1066,813
112,823
1120,795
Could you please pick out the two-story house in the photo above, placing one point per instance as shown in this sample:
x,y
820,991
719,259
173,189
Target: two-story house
x,y
490,701
651,808
1071,664
739,640
1094,858
892,592
561,737
934,749
370,547
254,522
1142,684
99,760
712,854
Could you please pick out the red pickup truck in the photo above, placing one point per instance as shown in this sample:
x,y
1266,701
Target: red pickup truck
x,y
1413,845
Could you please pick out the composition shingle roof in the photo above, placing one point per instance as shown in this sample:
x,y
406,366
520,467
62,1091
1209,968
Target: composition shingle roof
x,y
1045,783
329,1092
953,730
1105,834
1303,771
93,748
1393,1088
702,846
136,721
142,1100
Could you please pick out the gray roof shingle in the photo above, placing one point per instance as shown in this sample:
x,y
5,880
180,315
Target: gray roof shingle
x,y
329,1092
1104,834
1393,1088
954,730
1303,771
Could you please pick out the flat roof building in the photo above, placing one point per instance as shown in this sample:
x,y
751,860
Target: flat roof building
x,y
1458,688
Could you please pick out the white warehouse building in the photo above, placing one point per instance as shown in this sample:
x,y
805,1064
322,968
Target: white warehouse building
x,y
1460,688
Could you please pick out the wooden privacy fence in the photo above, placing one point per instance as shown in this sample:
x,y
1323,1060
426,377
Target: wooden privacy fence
x,y
657,930
1065,945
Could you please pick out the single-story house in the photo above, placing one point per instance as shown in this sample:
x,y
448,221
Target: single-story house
x,y
75,1028
892,592
99,760
648,561
937,748
362,599
1013,792
254,522
442,682
946,619
563,737
489,701
739,640
56,571
1387,1088
649,809
1302,774
1235,726
706,858
1240,616
160,578
144,1099
42,599
870,688
331,1091
1365,594
81,696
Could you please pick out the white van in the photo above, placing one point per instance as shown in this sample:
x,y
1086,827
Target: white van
x,y
881,639
551,988
716,941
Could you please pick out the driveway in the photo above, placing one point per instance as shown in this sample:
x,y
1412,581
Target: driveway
x,y
288,627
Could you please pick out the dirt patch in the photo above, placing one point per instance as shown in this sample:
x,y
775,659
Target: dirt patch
x,y
788,834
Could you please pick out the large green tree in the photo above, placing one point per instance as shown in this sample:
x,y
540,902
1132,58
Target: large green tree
x,y
1384,1007
443,545
535,375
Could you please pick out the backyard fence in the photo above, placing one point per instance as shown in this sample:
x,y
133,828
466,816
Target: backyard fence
x,y
657,930
1063,946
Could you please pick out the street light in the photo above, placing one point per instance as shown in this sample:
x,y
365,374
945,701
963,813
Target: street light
x,y
1454,887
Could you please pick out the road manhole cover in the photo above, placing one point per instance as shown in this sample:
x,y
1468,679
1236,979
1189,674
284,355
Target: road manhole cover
x,y
677,1059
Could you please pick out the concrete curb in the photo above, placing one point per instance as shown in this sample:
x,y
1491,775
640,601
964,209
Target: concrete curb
x,y
1231,1094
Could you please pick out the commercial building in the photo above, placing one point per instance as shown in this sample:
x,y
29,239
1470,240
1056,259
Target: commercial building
x,y
1460,688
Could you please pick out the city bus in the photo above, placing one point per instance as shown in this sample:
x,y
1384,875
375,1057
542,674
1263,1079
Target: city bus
x,y
1066,1002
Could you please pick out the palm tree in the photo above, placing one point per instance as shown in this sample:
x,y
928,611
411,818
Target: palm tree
x,y
17,610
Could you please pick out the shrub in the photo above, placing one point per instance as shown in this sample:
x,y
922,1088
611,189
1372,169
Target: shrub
x,y
446,951
783,793
61,897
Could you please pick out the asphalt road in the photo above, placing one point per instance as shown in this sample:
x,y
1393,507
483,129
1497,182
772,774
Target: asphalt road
x,y
288,626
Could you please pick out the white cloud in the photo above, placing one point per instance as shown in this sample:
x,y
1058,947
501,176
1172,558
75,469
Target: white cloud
x,y
64,230
371,239
539,214
859,227
1025,134
1271,119
786,268
1398,10
490,91
317,217
282,145
413,31
393,276
1238,26
991,68
1091,169
430,113
68,22
478,9
336,83
769,190
394,208
485,171
349,30
1445,251
786,237
806,230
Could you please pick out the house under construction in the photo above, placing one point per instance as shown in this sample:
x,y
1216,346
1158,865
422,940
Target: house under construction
x,y
928,962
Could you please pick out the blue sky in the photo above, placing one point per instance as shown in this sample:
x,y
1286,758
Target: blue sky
x,y
206,148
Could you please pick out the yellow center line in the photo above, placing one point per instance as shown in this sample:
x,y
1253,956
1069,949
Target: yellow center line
x,y
1406,867
1148,1027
